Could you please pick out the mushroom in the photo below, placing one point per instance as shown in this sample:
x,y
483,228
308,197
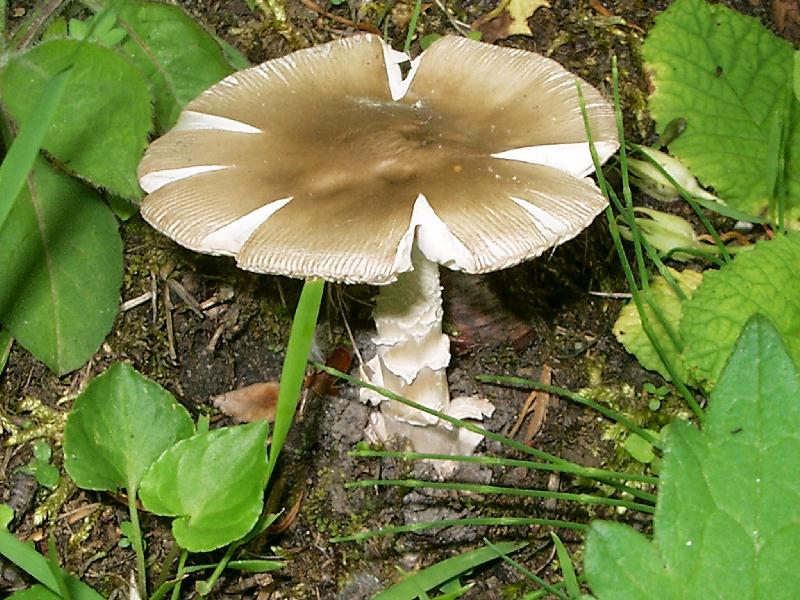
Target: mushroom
x,y
328,163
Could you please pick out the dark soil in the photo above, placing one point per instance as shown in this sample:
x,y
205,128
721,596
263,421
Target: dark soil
x,y
514,322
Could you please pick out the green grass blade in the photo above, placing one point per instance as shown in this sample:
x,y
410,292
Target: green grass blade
x,y
570,580
25,147
294,365
577,398
529,574
496,489
469,426
626,267
37,566
494,461
445,570
55,568
412,26
468,521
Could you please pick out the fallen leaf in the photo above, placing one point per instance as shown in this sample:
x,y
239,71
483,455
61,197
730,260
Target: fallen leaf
x,y
250,403
521,11
510,17
257,401
321,383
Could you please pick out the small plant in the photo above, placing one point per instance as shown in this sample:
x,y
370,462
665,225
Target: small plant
x,y
84,95
728,503
40,467
211,482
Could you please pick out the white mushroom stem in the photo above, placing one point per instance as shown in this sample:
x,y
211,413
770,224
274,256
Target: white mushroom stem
x,y
411,358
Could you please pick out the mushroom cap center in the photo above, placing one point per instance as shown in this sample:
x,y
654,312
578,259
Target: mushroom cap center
x,y
390,142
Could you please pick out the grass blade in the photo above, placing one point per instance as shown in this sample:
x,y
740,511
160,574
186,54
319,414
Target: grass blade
x,y
37,566
25,147
508,491
570,580
294,365
467,521
443,571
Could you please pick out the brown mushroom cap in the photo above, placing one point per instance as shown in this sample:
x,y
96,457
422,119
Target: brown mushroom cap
x,y
305,166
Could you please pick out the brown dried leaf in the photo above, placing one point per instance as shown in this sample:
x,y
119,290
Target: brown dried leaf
x,y
250,403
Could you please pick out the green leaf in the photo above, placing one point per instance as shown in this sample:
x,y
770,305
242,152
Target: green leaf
x,y
60,269
177,57
628,328
622,564
100,128
443,571
213,483
727,524
763,280
639,448
24,150
728,76
118,426
37,566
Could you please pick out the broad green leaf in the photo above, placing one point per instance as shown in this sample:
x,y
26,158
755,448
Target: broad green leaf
x,y
213,483
727,523
60,269
622,564
118,426
24,150
443,571
628,328
177,57
764,280
728,76
100,128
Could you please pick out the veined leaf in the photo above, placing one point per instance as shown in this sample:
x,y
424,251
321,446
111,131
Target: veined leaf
x,y
118,426
628,328
60,269
729,77
176,56
764,280
100,129
727,523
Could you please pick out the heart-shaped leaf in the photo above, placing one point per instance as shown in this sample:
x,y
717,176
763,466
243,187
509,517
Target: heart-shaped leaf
x,y
213,483
118,426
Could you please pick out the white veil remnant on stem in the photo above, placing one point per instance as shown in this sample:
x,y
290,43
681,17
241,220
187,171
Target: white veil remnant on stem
x,y
328,163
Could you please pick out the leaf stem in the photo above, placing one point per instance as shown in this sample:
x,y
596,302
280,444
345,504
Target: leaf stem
x,y
138,544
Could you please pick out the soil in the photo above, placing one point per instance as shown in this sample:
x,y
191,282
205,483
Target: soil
x,y
511,323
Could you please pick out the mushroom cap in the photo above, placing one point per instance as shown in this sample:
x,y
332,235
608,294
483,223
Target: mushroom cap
x,y
327,163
